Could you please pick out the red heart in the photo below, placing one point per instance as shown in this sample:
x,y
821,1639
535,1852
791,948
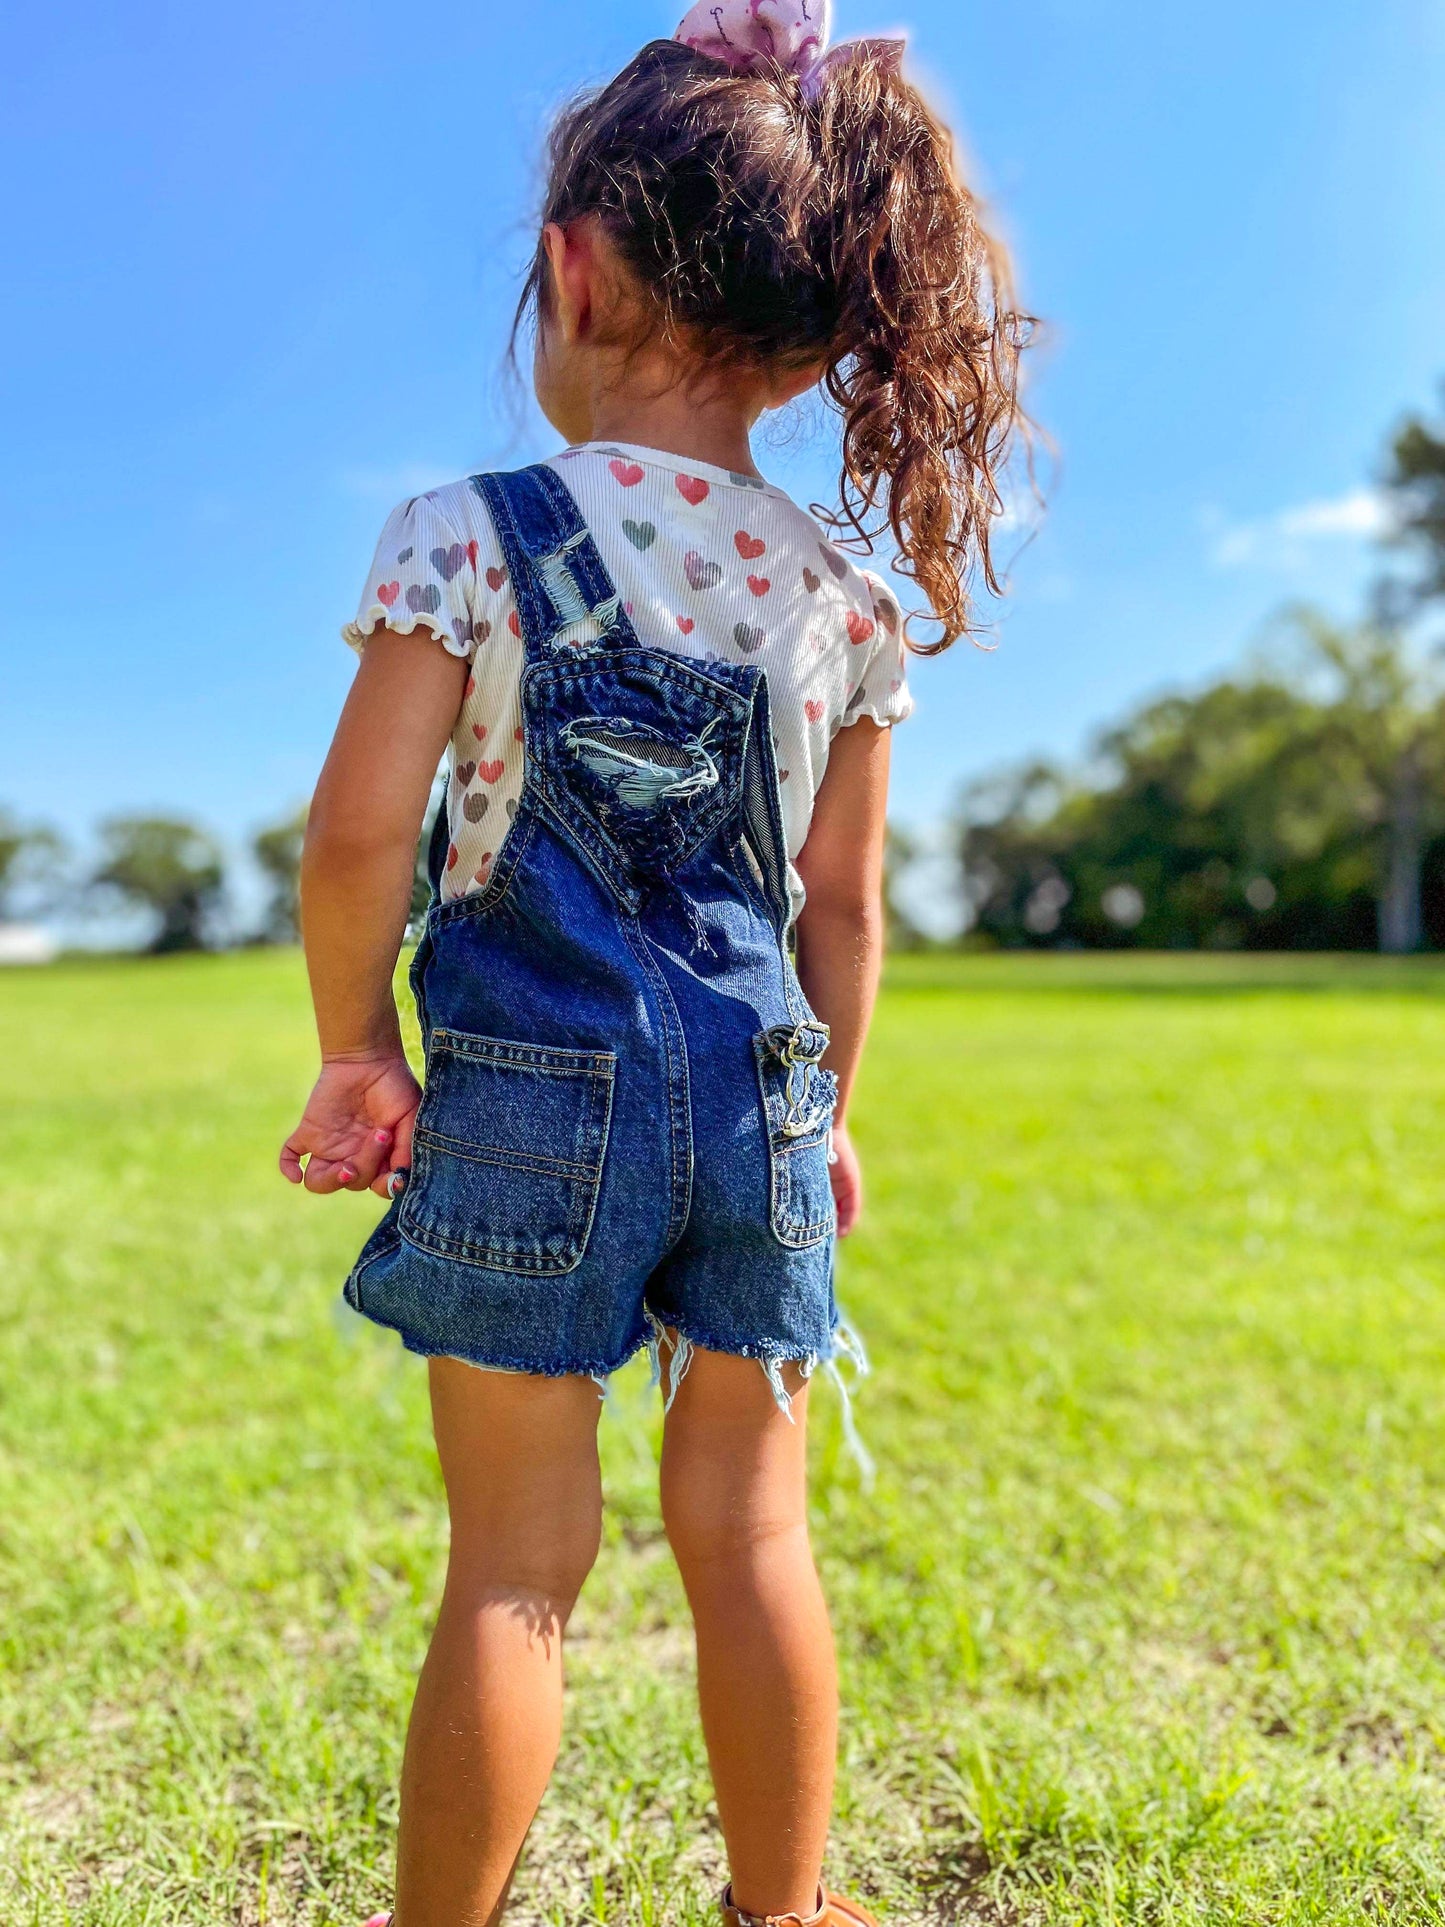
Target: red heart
x,y
479,730
692,488
489,772
452,854
387,592
472,548
814,711
749,547
514,623
481,874
495,578
859,627
470,690
519,733
628,473
759,584
686,624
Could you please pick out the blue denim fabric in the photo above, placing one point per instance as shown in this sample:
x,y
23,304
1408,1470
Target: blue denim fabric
x,y
625,1120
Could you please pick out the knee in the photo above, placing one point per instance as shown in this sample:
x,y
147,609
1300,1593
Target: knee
x,y
547,1557
715,1523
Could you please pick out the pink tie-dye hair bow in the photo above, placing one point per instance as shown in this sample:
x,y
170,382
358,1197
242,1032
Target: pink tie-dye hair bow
x,y
792,34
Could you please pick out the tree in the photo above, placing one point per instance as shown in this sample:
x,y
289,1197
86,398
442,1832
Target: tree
x,y
1415,479
166,866
29,856
277,850
1297,808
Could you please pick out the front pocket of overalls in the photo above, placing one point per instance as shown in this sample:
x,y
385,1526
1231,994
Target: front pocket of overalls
x,y
508,1152
801,1203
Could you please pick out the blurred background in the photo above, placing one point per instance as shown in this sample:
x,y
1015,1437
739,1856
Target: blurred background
x,y
263,267
1140,1620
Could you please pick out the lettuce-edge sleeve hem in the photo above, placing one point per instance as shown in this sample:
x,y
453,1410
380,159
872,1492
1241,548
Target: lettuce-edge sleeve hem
x,y
402,623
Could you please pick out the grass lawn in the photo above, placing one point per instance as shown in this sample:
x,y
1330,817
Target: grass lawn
x,y
1141,1621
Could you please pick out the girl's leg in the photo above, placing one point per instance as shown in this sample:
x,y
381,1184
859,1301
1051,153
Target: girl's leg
x,y
734,1504
519,1456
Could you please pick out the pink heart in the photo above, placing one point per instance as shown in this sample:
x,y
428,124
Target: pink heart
x,y
470,690
472,550
628,473
481,877
387,592
749,547
452,854
859,627
686,624
514,623
815,711
479,730
490,772
692,488
759,584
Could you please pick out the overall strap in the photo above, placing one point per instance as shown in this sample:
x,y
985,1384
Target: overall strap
x,y
565,597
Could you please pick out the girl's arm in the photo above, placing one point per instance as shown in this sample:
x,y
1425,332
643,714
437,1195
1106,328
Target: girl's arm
x,y
840,931
356,878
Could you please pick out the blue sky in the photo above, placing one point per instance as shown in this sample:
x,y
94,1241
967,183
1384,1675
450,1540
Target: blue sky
x,y
265,258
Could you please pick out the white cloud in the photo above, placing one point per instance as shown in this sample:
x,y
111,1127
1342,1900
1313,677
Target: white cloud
x,y
1290,535
388,485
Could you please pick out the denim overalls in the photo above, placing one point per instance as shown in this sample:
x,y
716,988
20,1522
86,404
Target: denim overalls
x,y
625,1120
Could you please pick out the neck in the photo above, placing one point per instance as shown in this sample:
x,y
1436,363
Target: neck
x,y
713,429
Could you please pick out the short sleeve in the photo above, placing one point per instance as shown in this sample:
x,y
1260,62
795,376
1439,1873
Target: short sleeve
x,y
881,690
422,577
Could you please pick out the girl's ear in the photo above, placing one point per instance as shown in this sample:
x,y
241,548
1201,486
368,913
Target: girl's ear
x,y
571,264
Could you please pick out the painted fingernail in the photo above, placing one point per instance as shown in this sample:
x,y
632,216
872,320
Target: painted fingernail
x,y
383,1137
396,1184
346,1174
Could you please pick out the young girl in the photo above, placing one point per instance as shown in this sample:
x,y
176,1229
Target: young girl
x,y
648,969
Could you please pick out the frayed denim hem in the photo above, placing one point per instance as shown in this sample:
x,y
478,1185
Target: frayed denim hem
x,y
529,1368
672,1348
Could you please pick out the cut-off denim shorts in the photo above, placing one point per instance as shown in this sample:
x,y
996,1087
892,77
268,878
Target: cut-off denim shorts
x,y
625,1120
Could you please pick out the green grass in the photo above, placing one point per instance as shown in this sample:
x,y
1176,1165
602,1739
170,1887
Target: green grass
x,y
1141,1621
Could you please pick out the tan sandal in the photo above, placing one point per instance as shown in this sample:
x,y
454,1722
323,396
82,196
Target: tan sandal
x,y
833,1911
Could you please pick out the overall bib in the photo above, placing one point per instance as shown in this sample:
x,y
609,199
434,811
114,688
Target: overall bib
x,y
625,1119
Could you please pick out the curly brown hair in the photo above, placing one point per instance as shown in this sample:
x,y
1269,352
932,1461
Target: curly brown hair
x,y
769,224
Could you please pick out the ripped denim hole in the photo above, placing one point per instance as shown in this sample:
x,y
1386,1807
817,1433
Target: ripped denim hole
x,y
799,1049
642,768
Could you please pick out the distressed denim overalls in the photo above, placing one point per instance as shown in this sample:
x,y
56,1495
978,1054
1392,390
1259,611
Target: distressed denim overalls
x,y
625,1121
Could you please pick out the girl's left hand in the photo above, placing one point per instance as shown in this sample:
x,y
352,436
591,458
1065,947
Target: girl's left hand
x,y
845,1174
356,1128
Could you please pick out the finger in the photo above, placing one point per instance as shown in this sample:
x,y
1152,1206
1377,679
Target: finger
x,y
401,1142
391,1184
292,1152
323,1175
372,1158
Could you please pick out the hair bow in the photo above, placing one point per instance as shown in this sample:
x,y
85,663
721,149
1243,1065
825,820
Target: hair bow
x,y
792,34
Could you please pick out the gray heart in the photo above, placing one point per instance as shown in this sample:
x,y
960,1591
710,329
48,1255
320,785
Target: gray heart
x,y
701,574
465,772
834,561
423,600
475,806
405,555
641,535
747,638
511,806
446,562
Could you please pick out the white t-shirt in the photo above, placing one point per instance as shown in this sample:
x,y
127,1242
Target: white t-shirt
x,y
710,565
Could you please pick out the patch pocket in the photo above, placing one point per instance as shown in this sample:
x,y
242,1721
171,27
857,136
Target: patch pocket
x,y
798,1103
508,1153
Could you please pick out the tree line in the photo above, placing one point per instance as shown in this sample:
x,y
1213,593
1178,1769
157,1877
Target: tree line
x,y
1299,804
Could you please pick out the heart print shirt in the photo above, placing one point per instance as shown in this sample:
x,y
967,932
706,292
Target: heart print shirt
x,y
711,565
